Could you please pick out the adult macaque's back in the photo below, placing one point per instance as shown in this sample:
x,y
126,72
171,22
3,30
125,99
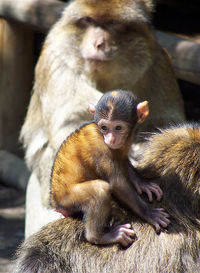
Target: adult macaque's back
x,y
97,45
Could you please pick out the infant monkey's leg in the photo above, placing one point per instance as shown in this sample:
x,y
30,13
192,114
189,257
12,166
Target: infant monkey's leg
x,y
93,198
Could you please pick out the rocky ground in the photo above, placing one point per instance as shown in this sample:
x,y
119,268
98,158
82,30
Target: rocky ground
x,y
11,225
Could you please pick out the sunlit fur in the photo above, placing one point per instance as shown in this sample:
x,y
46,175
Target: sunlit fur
x,y
172,156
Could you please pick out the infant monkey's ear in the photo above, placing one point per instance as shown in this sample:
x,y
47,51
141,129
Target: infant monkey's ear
x,y
142,111
91,108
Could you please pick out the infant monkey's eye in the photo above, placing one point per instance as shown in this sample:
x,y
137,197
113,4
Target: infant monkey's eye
x,y
103,127
118,127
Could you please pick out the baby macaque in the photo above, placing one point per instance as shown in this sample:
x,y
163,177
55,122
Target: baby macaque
x,y
93,163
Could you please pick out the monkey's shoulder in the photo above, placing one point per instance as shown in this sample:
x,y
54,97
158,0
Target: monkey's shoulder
x,y
88,131
84,147
86,137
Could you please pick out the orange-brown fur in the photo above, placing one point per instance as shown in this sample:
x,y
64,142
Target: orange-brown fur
x,y
68,170
81,173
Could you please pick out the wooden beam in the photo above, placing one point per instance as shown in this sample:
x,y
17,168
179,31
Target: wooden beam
x,y
37,14
185,55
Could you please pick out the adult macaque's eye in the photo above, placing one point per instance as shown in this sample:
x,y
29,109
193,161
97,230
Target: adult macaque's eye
x,y
114,24
85,21
111,23
118,128
103,127
88,19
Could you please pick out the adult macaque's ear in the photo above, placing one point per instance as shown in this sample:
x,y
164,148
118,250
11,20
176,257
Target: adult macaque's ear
x,y
91,108
142,111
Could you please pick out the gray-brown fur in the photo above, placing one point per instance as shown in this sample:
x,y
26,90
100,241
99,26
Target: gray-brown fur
x,y
174,155
61,247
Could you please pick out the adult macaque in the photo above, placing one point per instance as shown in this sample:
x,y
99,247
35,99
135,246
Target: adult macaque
x,y
171,157
92,163
97,45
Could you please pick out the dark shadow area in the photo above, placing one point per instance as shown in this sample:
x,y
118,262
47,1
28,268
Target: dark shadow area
x,y
191,96
11,224
180,16
10,197
11,234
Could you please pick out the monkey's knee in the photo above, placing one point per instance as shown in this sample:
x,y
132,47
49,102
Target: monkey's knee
x,y
103,189
100,195
92,236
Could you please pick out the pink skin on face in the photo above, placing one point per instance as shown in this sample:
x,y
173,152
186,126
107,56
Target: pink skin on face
x,y
115,132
